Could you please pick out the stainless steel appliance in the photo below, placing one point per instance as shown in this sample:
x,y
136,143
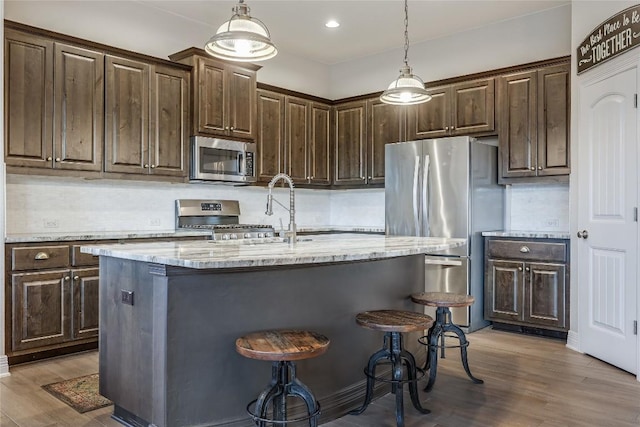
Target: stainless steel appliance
x,y
219,216
214,159
446,187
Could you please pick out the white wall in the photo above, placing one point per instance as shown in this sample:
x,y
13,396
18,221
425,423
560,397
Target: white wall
x,y
531,38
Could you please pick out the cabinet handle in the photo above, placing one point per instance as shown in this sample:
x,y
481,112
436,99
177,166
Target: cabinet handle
x,y
226,128
41,256
49,158
519,268
533,168
525,249
57,159
76,278
66,278
146,165
369,178
539,168
527,269
153,166
446,128
231,128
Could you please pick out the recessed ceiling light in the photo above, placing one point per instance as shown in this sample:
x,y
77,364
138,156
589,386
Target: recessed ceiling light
x,y
332,24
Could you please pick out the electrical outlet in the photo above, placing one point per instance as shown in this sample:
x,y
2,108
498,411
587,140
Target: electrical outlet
x,y
154,222
552,222
50,223
127,297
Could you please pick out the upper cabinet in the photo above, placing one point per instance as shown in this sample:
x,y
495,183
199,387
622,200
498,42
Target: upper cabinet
x,y
224,96
80,107
53,104
293,138
146,117
534,116
464,108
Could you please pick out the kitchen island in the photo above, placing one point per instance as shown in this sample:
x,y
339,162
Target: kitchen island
x,y
170,313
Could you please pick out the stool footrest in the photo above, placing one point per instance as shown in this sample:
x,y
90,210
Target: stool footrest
x,y
420,373
287,421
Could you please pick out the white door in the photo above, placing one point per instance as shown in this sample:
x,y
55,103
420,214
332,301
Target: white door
x,y
607,198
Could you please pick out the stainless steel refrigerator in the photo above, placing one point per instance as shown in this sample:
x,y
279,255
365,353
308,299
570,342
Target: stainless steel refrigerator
x,y
447,187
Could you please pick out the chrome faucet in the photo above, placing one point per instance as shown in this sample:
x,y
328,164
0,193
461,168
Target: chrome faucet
x,y
291,233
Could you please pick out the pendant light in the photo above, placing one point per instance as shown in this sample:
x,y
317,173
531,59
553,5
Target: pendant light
x,y
407,89
242,38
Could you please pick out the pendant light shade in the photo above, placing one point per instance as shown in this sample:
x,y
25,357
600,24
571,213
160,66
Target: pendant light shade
x,y
242,38
407,89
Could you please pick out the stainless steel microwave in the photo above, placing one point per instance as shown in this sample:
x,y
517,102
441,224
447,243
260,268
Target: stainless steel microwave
x,y
214,159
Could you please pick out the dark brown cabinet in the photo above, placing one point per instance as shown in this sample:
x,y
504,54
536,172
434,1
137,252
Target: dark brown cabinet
x,y
362,129
54,104
146,116
224,96
293,138
526,283
464,108
534,116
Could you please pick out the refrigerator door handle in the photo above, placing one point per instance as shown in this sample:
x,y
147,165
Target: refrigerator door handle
x,y
425,198
416,203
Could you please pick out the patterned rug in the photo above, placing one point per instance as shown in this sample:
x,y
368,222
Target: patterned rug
x,y
80,393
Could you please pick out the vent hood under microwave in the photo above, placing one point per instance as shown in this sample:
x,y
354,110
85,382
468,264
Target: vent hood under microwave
x,y
214,159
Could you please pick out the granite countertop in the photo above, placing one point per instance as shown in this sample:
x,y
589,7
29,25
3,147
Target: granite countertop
x,y
145,234
528,234
205,254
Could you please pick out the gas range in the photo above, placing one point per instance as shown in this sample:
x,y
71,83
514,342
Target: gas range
x,y
219,216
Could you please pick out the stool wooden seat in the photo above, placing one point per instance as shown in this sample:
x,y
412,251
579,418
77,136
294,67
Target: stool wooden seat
x,y
393,323
443,324
282,348
282,345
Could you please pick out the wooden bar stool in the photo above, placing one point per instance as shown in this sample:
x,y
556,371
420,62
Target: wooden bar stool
x,y
393,323
282,348
443,301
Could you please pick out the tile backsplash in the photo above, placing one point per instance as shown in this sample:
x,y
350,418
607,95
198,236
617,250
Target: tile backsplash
x,y
41,205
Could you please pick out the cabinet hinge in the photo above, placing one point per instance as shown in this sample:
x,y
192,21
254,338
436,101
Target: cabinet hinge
x,y
635,327
635,214
635,100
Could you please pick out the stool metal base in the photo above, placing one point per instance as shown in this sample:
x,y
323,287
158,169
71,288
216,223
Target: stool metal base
x,y
284,383
394,352
437,332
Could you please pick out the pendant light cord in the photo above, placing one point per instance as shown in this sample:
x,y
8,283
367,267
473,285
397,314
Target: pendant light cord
x,y
406,33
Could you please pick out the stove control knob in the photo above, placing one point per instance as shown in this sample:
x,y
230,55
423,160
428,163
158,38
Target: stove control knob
x,y
261,235
247,235
234,236
225,237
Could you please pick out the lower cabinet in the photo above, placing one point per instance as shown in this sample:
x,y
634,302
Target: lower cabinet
x,y
527,282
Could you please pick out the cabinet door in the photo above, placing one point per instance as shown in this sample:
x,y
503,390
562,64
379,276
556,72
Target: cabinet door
x,y
350,140
386,125
518,124
473,107
85,302
78,128
320,144
41,309
28,89
211,109
270,143
169,123
297,118
241,101
127,116
433,118
553,121
545,295
503,290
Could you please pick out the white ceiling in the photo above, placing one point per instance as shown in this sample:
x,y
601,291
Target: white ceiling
x,y
297,27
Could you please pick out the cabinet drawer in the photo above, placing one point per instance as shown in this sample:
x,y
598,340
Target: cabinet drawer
x,y
79,259
527,250
39,257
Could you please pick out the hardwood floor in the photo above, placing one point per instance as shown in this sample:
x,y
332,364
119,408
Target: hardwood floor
x,y
529,381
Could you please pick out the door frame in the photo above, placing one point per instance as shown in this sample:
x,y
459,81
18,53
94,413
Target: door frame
x,y
625,61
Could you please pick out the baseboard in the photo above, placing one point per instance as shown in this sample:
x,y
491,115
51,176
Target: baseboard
x,y
4,366
573,341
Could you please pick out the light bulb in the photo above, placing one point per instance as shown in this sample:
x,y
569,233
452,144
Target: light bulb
x,y
242,46
405,97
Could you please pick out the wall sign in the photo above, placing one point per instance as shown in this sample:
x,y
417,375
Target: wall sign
x,y
613,37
